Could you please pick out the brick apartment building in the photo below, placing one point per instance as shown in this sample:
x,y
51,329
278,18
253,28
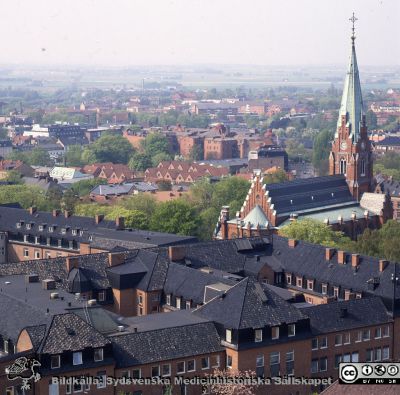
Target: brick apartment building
x,y
31,234
178,172
234,304
114,173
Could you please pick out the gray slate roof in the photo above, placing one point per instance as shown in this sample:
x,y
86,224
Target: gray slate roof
x,y
326,318
166,344
70,332
309,194
248,305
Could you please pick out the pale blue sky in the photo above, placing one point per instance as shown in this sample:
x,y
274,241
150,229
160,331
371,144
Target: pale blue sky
x,y
141,32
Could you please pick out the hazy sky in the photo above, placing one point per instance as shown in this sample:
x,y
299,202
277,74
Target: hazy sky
x,y
142,32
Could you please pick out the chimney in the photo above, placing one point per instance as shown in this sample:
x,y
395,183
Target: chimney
x,y
115,258
341,257
355,260
329,253
32,210
382,265
67,213
71,262
343,312
98,218
176,253
120,223
292,243
55,213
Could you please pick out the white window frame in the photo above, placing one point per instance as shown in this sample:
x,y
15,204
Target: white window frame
x,y
258,335
208,363
228,335
276,329
103,383
169,370
326,343
77,354
101,350
58,359
168,299
324,289
339,336
291,333
194,365
184,367
310,285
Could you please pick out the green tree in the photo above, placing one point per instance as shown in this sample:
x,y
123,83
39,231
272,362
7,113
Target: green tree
x,y
139,162
275,177
91,209
155,143
201,193
82,188
389,236
133,218
39,157
196,152
160,157
69,200
321,150
315,232
73,156
142,202
108,148
14,177
230,191
176,216
27,196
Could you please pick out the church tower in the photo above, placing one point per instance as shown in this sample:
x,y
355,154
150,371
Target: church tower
x,y
351,153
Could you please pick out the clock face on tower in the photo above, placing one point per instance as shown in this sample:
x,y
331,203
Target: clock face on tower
x,y
343,145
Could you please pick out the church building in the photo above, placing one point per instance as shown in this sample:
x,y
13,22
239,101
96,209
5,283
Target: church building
x,y
344,199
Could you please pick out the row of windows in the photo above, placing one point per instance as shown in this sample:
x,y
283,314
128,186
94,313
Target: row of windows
x,y
51,228
372,355
178,302
258,333
36,254
274,363
55,360
324,287
182,367
345,338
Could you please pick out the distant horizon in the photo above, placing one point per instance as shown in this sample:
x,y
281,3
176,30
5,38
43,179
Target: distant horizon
x,y
126,33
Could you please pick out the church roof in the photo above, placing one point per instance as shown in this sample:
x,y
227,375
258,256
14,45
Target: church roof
x,y
352,103
256,217
309,194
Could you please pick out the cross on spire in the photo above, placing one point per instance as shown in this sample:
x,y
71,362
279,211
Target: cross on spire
x,y
353,19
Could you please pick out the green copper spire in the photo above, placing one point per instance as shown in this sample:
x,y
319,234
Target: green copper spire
x,y
352,104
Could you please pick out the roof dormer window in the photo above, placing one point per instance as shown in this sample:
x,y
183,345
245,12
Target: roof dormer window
x,y
51,229
19,224
41,228
28,226
74,232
